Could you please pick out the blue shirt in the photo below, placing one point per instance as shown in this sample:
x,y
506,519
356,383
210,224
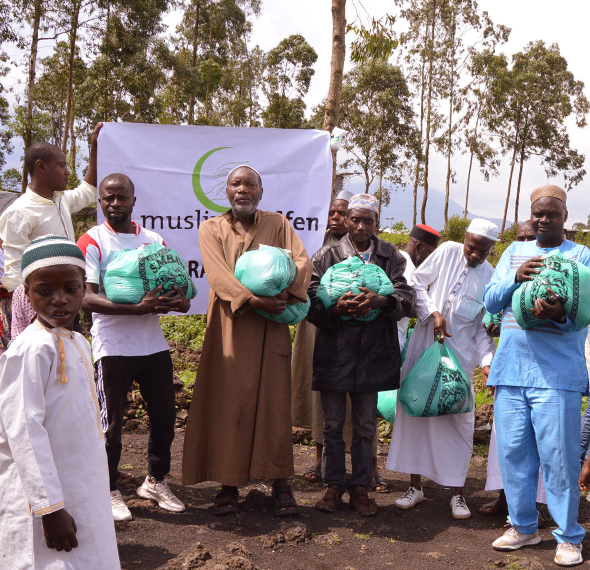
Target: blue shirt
x,y
548,355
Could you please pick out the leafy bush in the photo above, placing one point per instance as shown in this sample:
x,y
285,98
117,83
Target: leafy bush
x,y
399,235
502,244
456,229
187,329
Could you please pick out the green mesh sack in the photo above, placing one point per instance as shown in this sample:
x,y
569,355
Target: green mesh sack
x,y
436,385
292,315
386,403
349,275
135,272
566,278
488,319
265,271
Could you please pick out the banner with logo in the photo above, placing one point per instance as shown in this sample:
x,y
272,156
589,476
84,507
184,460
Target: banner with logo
x,y
179,173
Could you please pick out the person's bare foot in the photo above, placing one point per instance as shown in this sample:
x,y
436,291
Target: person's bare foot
x,y
497,507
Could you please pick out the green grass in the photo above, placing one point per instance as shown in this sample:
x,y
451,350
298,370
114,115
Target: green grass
x,y
188,329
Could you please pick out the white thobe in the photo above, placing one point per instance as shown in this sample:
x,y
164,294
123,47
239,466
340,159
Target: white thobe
x,y
494,477
440,447
402,324
52,454
32,216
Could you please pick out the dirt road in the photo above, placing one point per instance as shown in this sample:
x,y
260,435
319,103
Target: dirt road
x,y
425,538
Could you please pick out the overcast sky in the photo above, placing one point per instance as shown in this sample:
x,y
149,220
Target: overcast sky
x,y
564,22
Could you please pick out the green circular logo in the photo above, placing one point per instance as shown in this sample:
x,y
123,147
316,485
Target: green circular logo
x,y
213,198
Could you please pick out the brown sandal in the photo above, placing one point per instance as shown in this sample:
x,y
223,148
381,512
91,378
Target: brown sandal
x,y
226,503
284,507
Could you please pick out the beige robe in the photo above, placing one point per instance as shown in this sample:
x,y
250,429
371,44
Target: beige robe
x,y
239,424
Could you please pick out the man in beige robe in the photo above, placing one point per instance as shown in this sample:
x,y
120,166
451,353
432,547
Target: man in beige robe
x,y
239,424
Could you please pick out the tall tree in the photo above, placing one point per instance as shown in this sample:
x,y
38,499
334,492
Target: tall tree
x,y
532,101
477,93
464,29
376,108
336,75
34,11
289,69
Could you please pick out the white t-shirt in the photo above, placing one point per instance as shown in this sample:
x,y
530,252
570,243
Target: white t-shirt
x,y
119,335
402,324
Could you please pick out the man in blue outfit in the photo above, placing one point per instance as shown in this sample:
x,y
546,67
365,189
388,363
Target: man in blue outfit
x,y
540,376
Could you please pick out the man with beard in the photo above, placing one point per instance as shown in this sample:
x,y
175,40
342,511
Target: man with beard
x,y
239,424
540,377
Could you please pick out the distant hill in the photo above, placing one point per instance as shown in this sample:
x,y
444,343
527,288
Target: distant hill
x,y
401,207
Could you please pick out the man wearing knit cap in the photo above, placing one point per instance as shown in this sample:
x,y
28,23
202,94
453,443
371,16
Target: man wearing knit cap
x,y
356,359
449,289
239,424
422,242
540,376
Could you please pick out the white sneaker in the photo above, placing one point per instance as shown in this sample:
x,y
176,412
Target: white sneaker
x,y
513,540
459,507
120,510
160,492
412,497
568,554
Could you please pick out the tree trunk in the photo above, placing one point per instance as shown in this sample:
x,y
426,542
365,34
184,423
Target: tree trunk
x,y
428,115
380,192
73,136
508,193
106,72
468,182
471,161
336,75
191,100
70,92
450,137
28,132
419,153
518,185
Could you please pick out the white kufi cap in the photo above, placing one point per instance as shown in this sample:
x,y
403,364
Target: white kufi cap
x,y
484,228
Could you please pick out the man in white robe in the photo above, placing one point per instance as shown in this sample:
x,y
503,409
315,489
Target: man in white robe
x,y
449,287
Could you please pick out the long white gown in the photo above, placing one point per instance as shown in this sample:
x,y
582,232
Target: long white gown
x,y
52,454
440,447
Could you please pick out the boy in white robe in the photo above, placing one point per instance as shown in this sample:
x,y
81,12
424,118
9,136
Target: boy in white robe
x,y
449,288
55,509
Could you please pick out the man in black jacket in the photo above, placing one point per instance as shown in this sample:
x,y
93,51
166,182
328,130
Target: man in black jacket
x,y
355,357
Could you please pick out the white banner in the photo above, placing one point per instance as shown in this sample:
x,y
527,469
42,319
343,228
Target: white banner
x,y
179,173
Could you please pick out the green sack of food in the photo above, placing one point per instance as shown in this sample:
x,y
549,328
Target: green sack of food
x,y
292,315
405,350
568,279
386,403
489,319
436,385
349,275
266,271
135,272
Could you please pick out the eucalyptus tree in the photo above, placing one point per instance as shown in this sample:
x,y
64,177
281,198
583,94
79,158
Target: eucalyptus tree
x,y
532,101
288,73
377,111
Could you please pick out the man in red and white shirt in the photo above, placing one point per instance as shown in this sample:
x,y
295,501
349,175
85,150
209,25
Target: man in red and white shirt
x,y
128,344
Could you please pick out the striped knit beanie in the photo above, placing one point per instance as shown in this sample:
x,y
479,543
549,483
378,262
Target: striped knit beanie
x,y
49,250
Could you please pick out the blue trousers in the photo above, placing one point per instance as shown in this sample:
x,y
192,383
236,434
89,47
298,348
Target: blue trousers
x,y
364,410
540,426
